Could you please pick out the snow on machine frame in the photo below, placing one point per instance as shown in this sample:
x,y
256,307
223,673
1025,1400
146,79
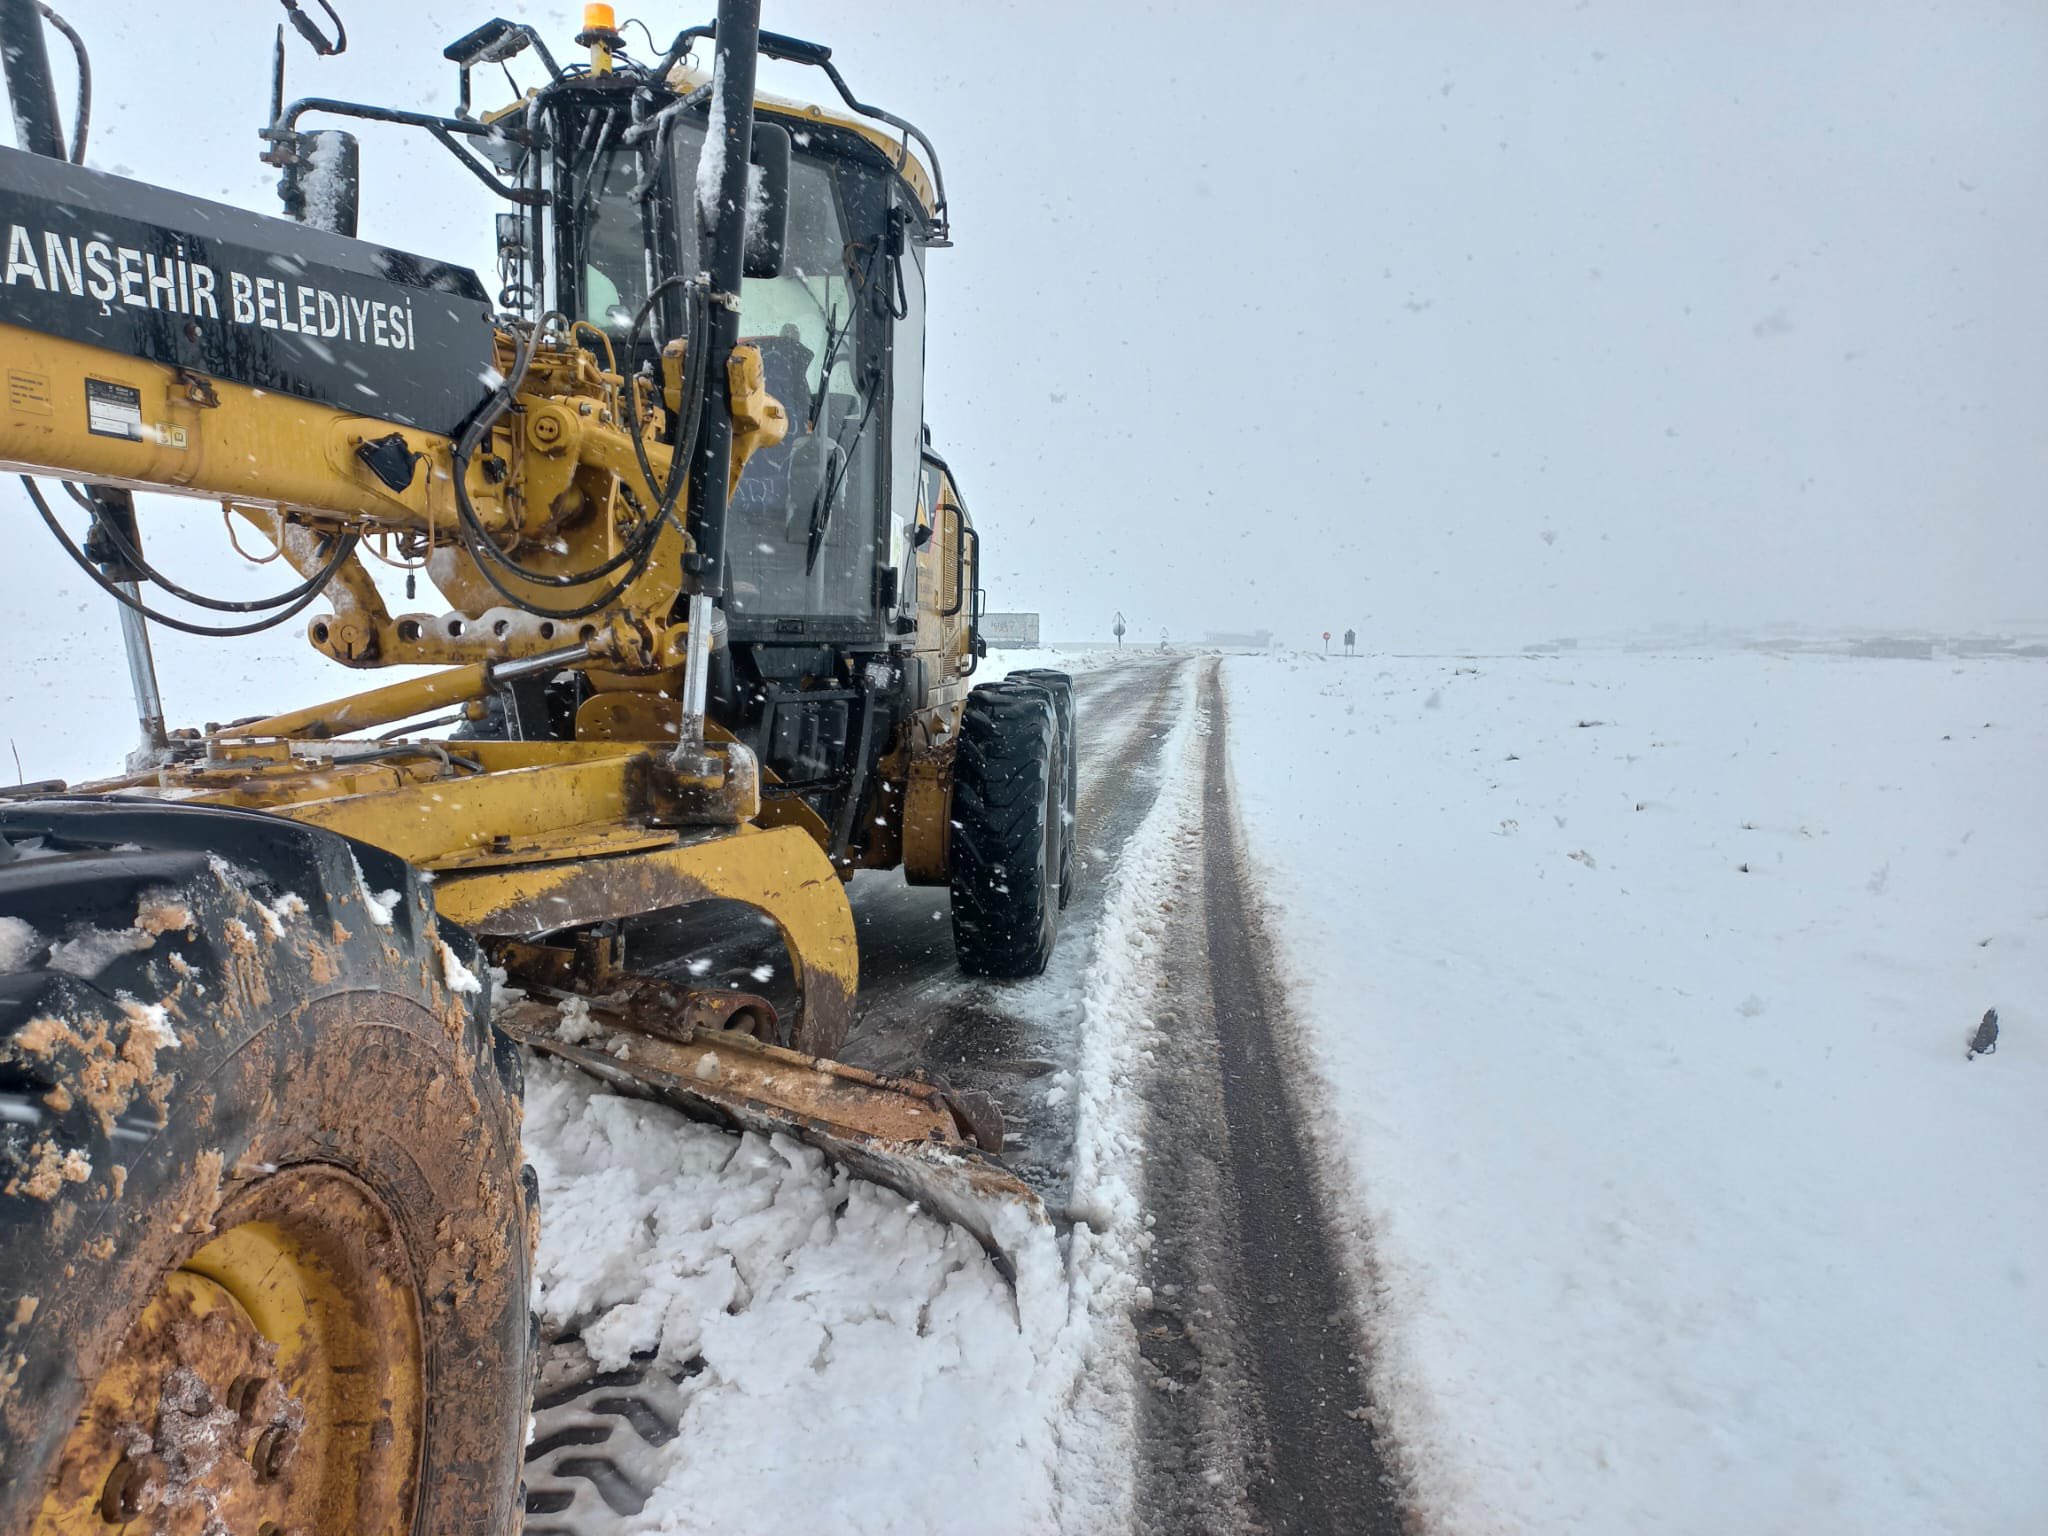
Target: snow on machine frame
x,y
711,626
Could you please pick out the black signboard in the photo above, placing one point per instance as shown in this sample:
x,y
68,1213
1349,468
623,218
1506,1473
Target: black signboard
x,y
152,273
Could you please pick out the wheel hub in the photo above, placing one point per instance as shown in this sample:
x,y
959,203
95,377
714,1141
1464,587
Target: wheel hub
x,y
272,1386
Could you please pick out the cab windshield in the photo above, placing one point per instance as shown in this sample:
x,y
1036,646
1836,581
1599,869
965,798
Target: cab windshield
x,y
802,531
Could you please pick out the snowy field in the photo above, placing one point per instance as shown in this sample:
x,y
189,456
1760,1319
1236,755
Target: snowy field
x,y
1641,988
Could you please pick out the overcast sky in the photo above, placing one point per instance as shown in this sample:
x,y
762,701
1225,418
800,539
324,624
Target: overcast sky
x,y
1468,324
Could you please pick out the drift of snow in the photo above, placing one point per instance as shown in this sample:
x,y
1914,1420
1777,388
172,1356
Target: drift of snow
x,y
1008,659
1121,991
1641,987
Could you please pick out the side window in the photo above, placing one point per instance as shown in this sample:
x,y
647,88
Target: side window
x,y
918,558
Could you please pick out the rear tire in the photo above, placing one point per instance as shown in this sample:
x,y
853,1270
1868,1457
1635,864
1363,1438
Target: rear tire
x,y
1061,687
329,1095
1008,783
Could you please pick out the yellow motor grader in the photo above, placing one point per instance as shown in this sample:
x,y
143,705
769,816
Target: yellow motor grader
x,y
709,636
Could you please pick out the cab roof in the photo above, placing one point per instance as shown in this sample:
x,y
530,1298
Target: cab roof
x,y
685,79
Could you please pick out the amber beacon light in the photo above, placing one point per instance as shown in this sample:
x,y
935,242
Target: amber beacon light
x,y
600,35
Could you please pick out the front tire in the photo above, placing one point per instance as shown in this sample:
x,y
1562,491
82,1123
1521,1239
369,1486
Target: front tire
x,y
263,1234
1007,788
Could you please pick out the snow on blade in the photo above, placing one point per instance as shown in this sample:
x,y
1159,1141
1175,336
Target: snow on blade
x,y
905,1382
749,1270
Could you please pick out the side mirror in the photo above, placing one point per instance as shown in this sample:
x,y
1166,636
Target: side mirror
x,y
322,185
768,218
496,41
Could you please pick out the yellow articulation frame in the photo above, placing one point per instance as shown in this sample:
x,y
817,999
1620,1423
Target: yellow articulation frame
x,y
527,836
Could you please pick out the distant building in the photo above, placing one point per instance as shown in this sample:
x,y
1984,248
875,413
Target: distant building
x,y
1010,628
1257,640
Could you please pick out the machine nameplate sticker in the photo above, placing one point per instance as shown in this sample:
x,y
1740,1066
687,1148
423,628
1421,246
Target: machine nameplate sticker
x,y
113,410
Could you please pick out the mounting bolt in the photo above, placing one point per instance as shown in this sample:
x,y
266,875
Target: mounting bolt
x,y
273,1450
121,1499
133,1488
244,1396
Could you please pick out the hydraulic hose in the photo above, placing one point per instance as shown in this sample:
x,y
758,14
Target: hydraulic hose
x,y
346,548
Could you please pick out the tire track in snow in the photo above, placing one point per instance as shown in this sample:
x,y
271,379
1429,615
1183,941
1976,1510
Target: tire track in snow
x,y
1252,1401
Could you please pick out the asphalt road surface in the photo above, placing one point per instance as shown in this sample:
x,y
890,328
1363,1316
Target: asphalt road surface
x,y
1252,1372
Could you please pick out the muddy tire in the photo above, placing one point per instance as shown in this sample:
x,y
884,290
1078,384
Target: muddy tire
x,y
264,1241
1061,687
1007,788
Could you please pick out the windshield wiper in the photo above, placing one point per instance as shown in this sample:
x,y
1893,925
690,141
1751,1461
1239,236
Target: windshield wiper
x,y
821,514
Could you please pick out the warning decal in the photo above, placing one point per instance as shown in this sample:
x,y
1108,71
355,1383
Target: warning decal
x,y
113,410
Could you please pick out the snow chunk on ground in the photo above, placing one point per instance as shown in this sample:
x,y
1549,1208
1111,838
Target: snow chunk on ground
x,y
901,1388
1644,1050
574,1024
